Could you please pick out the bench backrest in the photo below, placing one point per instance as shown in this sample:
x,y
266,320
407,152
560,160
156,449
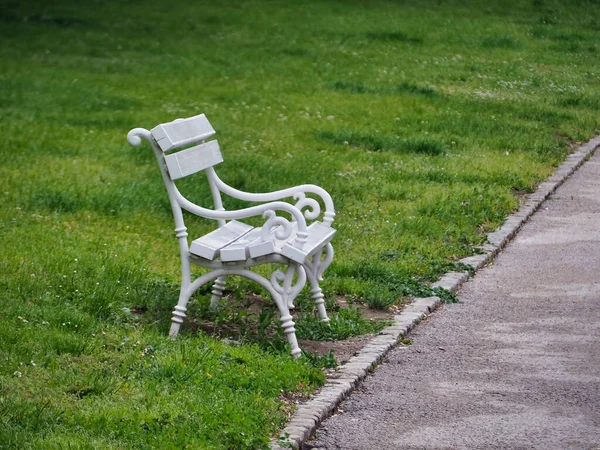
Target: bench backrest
x,y
180,133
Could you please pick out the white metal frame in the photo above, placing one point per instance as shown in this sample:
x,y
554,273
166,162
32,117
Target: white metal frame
x,y
283,286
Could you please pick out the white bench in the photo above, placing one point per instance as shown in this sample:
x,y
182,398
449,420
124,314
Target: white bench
x,y
290,235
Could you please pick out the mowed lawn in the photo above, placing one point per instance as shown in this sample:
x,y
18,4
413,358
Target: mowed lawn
x,y
427,121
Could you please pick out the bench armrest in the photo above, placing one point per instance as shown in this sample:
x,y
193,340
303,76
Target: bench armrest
x,y
313,209
267,210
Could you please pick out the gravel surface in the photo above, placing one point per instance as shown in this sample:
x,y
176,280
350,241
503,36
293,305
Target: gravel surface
x,y
514,365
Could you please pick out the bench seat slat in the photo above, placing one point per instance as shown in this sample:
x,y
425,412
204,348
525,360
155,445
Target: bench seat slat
x,y
238,250
318,236
252,246
208,246
261,248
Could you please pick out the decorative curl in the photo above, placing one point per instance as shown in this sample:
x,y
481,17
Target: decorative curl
x,y
283,227
325,262
300,282
134,137
277,277
287,289
313,209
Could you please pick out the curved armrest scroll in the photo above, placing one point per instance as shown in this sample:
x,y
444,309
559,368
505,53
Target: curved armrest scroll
x,y
266,210
297,192
134,137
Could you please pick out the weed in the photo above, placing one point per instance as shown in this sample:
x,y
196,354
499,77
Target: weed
x,y
412,88
424,146
402,88
500,42
326,361
378,143
445,295
379,299
394,36
342,325
284,441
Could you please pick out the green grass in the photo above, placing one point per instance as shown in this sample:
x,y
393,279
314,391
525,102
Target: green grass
x,y
424,120
344,323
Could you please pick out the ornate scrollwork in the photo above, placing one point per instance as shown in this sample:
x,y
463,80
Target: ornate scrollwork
x,y
283,227
325,262
313,209
134,137
287,289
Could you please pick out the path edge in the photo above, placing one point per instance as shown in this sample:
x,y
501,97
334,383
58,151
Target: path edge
x,y
309,415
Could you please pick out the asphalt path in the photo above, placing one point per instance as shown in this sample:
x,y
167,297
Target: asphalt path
x,y
514,365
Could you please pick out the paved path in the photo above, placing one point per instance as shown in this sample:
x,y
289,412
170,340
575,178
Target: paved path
x,y
515,365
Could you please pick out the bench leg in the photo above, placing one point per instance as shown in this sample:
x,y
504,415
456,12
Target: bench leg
x,y
284,295
316,293
314,269
217,292
187,290
179,313
287,323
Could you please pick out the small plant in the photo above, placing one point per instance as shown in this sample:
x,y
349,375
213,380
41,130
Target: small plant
x,y
379,299
394,36
343,324
424,146
326,361
506,42
377,143
284,441
402,88
382,281
445,295
413,88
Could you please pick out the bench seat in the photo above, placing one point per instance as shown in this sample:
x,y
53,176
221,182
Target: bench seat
x,y
237,241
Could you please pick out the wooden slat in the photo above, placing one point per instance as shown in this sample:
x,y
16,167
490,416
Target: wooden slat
x,y
260,248
318,236
238,250
209,245
237,241
192,160
182,132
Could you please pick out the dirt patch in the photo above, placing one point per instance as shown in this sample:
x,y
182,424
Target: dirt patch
x,y
238,321
342,350
369,313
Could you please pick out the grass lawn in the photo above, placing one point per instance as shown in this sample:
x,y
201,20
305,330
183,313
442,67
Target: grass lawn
x,y
425,120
